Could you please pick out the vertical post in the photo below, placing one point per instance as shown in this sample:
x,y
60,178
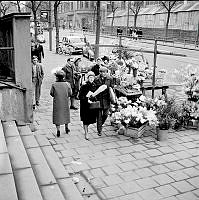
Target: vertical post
x,y
154,67
120,47
97,31
127,25
50,28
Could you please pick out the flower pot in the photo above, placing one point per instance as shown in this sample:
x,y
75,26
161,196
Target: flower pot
x,y
162,135
135,132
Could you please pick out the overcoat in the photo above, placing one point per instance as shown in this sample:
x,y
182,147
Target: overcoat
x,y
86,115
69,74
61,91
39,73
104,97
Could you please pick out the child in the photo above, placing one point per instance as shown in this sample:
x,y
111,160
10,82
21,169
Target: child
x,y
61,91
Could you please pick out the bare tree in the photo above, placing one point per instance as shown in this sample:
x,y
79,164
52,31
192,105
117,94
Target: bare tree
x,y
168,5
135,7
4,6
17,4
56,5
113,10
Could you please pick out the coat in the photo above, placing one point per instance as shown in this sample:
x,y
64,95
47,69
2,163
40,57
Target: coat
x,y
61,91
69,77
39,52
86,115
104,97
39,73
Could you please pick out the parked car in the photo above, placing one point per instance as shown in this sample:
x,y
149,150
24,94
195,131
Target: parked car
x,y
88,51
41,39
75,43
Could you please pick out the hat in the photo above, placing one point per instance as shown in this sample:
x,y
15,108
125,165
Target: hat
x,y
90,73
60,73
103,69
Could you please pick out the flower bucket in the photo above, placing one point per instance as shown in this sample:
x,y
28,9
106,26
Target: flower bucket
x,y
162,135
135,132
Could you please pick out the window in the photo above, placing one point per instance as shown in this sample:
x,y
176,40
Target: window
x,y
81,4
92,4
86,4
71,6
77,5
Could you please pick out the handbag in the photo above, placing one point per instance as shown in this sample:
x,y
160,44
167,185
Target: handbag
x,y
112,95
94,105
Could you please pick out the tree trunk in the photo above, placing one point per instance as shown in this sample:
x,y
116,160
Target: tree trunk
x,y
35,24
167,24
112,22
135,20
97,31
56,27
18,6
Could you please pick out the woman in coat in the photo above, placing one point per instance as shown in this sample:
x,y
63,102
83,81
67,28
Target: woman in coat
x,y
61,91
87,115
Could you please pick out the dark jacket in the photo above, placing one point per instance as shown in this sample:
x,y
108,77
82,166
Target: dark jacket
x,y
104,97
39,51
95,69
87,116
69,77
39,73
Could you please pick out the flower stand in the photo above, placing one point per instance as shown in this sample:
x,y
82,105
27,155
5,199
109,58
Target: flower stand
x,y
135,132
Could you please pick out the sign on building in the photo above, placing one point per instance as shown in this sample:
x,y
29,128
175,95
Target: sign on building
x,y
44,16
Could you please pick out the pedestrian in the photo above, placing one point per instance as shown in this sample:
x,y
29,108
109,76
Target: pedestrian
x,y
88,116
95,68
61,92
69,70
37,78
39,51
77,76
104,97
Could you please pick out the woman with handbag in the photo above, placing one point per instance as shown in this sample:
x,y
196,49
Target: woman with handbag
x,y
88,110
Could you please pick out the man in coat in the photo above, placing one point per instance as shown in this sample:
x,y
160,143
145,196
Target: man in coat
x,y
69,70
37,78
104,97
39,51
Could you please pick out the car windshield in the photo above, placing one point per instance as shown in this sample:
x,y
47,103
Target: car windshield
x,y
76,40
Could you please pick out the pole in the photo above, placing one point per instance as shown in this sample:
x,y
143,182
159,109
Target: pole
x,y
127,25
50,28
97,31
154,67
120,47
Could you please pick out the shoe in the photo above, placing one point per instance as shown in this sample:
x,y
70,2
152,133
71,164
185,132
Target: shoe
x,y
100,133
67,131
58,133
86,137
33,107
73,108
37,103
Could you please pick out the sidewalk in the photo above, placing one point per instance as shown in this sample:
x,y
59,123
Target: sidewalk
x,y
115,167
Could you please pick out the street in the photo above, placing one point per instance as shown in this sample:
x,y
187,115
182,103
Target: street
x,y
116,167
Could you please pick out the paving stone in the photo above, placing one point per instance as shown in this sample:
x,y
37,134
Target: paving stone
x,y
133,196
187,196
54,163
182,154
171,198
159,169
187,163
169,157
26,184
196,192
97,163
195,159
126,157
156,160
139,155
24,130
112,169
7,187
42,140
193,152
111,152
68,153
111,160
130,187
69,189
112,191
98,172
178,175
147,183
112,180
174,166
128,176
167,190
98,183
192,171
144,172
153,152
149,194
80,167
17,153
183,186
178,147
163,179
111,145
127,166
142,163
127,149
194,181
190,145
10,129
166,150
84,150
3,147
5,165
29,141
124,143
52,192
139,148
